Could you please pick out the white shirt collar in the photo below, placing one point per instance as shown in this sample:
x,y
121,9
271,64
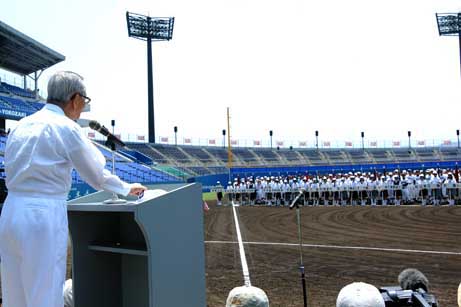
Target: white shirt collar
x,y
54,108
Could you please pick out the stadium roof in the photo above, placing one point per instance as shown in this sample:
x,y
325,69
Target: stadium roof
x,y
23,55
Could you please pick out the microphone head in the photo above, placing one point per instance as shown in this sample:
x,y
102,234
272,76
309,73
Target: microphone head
x,y
94,125
413,279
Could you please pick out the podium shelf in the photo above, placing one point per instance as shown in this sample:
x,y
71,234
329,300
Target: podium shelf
x,y
118,249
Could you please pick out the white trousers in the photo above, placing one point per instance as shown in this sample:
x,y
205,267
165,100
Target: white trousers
x,y
33,250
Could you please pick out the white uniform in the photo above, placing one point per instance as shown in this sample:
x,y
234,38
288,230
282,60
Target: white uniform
x,y
39,157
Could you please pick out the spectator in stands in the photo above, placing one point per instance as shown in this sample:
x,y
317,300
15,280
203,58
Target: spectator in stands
x,y
39,157
359,294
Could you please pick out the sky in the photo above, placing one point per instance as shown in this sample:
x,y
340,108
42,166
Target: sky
x,y
291,66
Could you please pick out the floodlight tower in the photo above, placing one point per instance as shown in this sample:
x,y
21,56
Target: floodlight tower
x,y
449,24
150,29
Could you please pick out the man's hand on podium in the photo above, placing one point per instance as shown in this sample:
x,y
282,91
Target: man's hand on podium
x,y
137,189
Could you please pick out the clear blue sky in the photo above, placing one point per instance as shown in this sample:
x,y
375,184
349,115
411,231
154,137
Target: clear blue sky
x,y
336,66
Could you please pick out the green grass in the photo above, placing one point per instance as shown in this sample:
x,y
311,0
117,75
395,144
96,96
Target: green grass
x,y
209,196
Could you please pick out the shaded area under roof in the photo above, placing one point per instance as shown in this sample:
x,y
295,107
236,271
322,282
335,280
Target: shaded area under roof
x,y
23,55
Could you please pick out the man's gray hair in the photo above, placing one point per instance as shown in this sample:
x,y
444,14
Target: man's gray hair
x,y
63,84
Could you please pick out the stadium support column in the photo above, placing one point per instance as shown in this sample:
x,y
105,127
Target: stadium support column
x,y
35,85
150,90
459,38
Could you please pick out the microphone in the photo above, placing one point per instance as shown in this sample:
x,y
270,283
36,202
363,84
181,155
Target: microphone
x,y
413,279
293,204
104,131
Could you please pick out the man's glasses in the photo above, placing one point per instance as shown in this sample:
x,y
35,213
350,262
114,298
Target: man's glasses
x,y
86,100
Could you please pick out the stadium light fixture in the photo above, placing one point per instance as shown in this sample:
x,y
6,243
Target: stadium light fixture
x,y
150,29
175,129
270,134
457,134
362,134
409,139
223,138
449,24
317,139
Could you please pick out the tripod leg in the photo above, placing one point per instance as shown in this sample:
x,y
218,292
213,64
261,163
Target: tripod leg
x,y
303,280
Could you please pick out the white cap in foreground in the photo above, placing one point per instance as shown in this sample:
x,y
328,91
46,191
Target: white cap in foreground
x,y
247,297
68,294
359,294
459,295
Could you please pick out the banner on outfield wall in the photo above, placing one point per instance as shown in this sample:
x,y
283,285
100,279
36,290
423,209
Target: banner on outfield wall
x,y
396,143
302,144
373,144
326,144
212,142
446,142
348,144
187,141
256,143
421,143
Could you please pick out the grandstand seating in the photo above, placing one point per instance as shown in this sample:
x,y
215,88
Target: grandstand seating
x,y
290,155
245,155
379,155
448,153
219,153
173,152
16,99
149,151
212,160
17,90
17,104
313,157
180,162
427,154
3,89
359,156
199,153
336,157
268,155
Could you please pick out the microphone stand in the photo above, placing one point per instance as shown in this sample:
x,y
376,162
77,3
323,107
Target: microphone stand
x,y
114,199
300,239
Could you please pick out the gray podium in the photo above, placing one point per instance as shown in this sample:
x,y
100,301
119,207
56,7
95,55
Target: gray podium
x,y
135,255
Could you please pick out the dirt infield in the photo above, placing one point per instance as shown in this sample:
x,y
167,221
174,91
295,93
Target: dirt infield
x,y
426,238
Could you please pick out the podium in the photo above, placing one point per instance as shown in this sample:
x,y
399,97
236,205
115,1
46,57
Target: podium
x,y
139,254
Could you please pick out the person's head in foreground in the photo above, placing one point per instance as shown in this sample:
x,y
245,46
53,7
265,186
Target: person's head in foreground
x,y
247,297
359,294
459,295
